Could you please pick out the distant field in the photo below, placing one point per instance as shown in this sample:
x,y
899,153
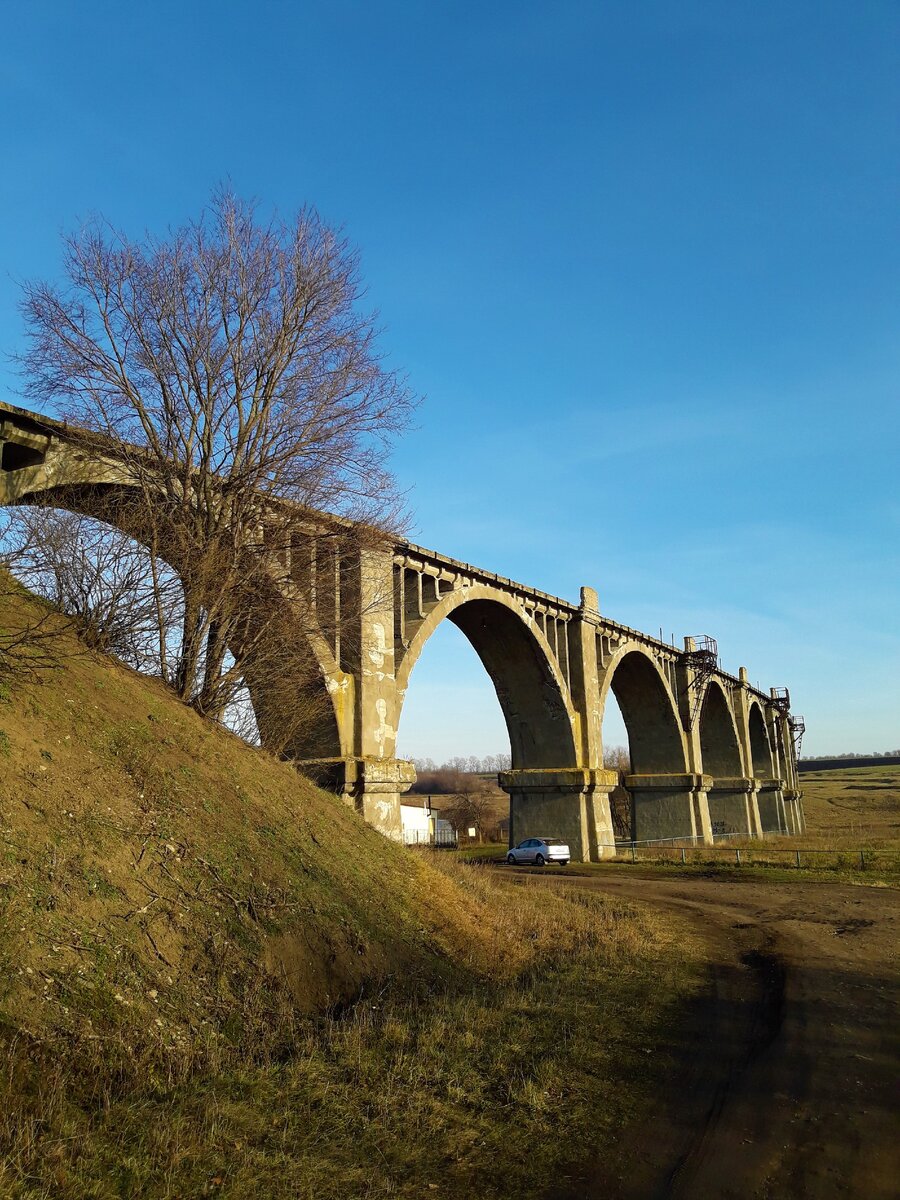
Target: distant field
x,y
852,806
849,809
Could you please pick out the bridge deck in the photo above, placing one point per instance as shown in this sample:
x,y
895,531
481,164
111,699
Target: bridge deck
x,y
419,556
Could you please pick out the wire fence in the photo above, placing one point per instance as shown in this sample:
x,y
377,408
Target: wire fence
x,y
685,851
441,839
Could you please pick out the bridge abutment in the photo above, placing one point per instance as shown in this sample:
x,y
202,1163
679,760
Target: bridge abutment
x,y
373,787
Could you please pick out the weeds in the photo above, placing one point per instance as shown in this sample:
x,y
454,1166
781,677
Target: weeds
x,y
221,981
409,1086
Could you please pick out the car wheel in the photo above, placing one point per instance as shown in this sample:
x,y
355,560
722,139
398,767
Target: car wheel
x,y
539,860
563,862
511,859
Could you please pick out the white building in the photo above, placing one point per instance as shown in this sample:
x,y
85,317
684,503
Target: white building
x,y
422,826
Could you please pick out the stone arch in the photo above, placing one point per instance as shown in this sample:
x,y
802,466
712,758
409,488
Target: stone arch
x,y
664,804
98,489
731,811
533,696
719,745
760,747
648,708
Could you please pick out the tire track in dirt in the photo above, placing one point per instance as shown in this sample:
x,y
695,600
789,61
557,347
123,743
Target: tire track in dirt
x,y
785,1087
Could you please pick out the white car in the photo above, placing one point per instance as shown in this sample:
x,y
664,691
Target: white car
x,y
539,851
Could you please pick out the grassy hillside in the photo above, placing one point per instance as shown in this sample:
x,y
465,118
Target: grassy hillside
x,y
138,836
853,806
215,979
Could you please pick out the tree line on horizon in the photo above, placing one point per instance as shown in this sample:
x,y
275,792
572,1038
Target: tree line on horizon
x,y
851,754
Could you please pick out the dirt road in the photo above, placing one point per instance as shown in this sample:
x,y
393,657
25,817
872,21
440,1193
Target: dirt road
x,y
787,1083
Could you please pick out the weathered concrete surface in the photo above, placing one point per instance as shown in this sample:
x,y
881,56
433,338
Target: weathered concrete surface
x,y
770,801
731,811
572,805
695,741
670,806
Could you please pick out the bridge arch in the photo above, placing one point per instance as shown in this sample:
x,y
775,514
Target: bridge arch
x,y
97,489
655,740
720,749
731,809
532,693
760,747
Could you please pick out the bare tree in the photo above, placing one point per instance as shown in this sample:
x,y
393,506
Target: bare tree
x,y
618,758
100,578
32,637
233,362
474,802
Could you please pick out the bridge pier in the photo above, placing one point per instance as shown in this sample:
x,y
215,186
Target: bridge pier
x,y
572,804
370,786
670,806
793,811
732,808
770,799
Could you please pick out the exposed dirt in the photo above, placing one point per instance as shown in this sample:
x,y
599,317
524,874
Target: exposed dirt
x,y
786,1086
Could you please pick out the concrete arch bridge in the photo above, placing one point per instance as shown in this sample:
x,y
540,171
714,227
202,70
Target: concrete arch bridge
x,y
710,754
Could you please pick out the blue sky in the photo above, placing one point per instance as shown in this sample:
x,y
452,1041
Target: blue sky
x,y
642,260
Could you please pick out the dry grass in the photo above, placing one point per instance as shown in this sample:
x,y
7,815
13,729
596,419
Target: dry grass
x,y
214,979
853,806
416,1087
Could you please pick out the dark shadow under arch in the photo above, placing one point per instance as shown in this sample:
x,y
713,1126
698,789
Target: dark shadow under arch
x,y
719,746
654,737
760,749
540,732
277,696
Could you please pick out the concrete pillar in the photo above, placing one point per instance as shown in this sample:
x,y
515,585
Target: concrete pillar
x,y
670,806
374,787
584,683
770,801
732,808
370,786
374,778
753,809
792,795
741,697
571,804
793,811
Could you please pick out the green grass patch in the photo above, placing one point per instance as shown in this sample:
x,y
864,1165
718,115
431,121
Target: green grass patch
x,y
494,852
762,872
